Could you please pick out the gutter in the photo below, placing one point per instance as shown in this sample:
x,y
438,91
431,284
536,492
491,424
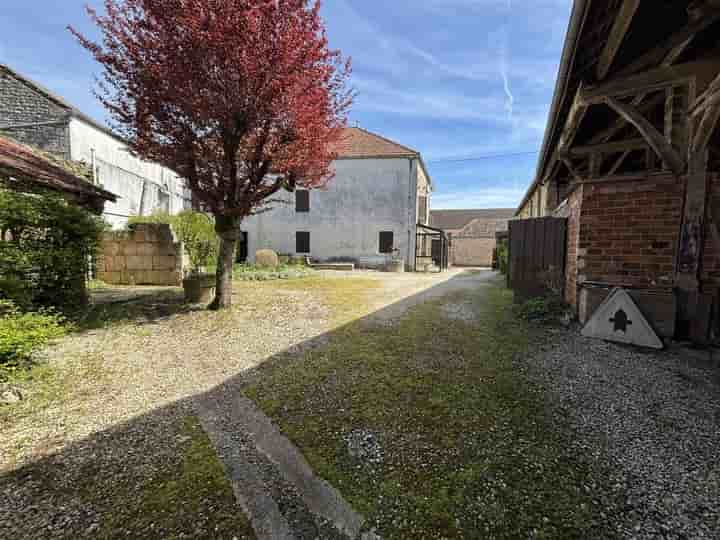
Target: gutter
x,y
577,21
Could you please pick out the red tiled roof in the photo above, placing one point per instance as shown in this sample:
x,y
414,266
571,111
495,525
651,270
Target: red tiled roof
x,y
28,165
459,219
358,143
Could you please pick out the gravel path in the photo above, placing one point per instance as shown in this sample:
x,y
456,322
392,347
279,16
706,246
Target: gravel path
x,y
651,420
118,385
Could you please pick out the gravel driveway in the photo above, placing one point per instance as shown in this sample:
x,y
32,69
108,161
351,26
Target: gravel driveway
x,y
651,420
119,394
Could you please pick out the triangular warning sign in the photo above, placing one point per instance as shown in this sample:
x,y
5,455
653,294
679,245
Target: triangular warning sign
x,y
619,319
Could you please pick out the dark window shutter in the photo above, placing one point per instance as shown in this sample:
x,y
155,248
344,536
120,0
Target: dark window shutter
x,y
302,242
302,200
386,241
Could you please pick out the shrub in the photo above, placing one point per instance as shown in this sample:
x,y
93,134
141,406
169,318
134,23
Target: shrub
x,y
195,230
45,248
546,309
267,258
249,272
22,334
502,257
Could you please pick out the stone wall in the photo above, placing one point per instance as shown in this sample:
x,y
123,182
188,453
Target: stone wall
x,y
148,254
21,105
472,251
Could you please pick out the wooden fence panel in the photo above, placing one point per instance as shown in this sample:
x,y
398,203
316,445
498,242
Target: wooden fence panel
x,y
537,252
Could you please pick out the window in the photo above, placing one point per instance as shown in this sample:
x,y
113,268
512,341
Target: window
x,y
302,200
386,242
302,242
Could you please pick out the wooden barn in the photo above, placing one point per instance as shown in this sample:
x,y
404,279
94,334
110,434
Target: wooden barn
x,y
631,161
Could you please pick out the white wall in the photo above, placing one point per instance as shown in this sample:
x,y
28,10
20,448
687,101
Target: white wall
x,y
138,184
366,196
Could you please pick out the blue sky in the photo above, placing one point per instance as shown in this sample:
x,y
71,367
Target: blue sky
x,y
453,79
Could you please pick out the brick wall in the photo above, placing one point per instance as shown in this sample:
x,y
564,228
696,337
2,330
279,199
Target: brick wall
x,y
572,212
22,104
629,232
149,254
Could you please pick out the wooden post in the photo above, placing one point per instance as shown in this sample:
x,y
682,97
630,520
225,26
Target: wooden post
x,y
692,238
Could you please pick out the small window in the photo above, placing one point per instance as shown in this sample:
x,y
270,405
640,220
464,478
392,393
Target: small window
x,y
302,200
302,242
386,242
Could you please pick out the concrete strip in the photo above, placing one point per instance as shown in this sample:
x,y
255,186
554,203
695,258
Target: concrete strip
x,y
265,516
319,496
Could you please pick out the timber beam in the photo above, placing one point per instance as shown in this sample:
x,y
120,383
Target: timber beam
x,y
608,148
573,171
654,138
706,127
617,35
649,81
574,119
699,21
643,105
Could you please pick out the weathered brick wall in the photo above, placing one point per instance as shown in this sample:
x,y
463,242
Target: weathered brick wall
x,y
20,104
629,232
149,254
572,212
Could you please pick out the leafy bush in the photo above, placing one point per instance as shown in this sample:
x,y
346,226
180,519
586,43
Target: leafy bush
x,y
195,230
546,309
45,248
249,272
22,334
502,257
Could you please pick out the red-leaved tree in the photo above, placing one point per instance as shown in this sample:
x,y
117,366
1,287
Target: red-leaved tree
x,y
243,98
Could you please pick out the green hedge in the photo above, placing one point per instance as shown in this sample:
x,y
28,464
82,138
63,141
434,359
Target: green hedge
x,y
45,248
195,230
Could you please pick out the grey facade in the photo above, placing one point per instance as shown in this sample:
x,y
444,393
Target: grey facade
x,y
34,115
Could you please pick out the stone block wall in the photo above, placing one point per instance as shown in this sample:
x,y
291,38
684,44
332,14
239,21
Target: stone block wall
x,y
472,251
148,254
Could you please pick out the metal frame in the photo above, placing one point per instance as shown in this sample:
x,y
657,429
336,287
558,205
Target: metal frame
x,y
423,248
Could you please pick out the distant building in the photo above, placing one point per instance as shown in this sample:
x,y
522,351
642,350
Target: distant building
x,y
473,233
371,212
34,115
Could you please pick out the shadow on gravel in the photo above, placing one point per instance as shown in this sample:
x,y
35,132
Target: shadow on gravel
x,y
130,305
118,483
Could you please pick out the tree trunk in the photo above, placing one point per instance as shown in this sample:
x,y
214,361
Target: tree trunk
x,y
228,231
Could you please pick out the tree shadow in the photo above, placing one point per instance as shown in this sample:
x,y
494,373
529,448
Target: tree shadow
x,y
125,305
118,482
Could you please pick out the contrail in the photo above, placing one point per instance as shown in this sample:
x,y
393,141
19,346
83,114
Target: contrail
x,y
510,99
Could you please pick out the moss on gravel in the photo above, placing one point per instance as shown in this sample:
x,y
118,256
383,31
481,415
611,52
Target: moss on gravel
x,y
457,443
194,499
